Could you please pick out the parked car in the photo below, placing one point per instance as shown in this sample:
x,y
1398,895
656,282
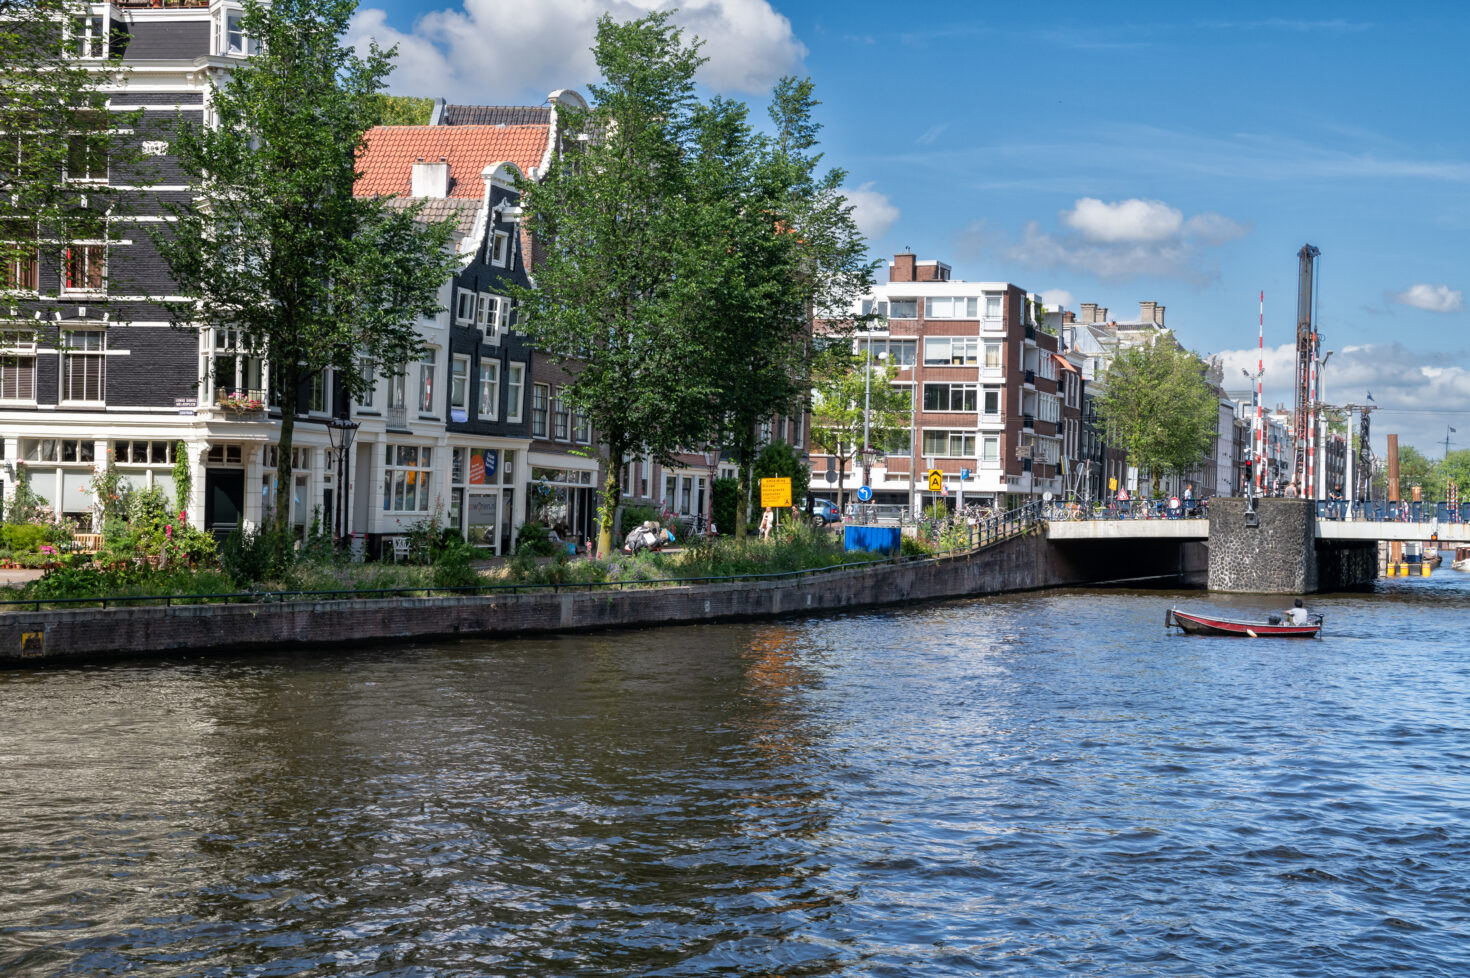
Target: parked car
x,y
825,511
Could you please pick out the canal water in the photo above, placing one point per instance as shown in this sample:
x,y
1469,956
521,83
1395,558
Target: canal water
x,y
1044,784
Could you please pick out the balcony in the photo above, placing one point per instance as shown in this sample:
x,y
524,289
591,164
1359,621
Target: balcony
x,y
1028,422
1030,378
396,418
246,405
1031,333
162,4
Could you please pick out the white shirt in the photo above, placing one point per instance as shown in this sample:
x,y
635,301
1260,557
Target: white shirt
x,y
1298,615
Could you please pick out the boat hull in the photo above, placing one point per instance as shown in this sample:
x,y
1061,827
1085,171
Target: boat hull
x,y
1192,623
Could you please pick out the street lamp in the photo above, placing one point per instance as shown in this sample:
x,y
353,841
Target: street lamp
x,y
711,461
340,432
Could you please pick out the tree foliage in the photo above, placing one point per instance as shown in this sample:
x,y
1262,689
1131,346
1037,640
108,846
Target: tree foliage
x,y
1159,408
400,110
275,243
57,137
844,399
684,255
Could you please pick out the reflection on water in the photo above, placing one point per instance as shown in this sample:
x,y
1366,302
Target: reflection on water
x,y
1043,784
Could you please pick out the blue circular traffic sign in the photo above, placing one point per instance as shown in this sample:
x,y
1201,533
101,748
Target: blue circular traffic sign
x,y
865,493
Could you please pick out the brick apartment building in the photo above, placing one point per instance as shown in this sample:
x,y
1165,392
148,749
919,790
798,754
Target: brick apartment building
x,y
990,408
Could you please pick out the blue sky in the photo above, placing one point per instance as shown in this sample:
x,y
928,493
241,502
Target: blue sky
x,y
1103,153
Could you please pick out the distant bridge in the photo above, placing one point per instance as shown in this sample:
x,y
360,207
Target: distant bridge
x,y
1363,531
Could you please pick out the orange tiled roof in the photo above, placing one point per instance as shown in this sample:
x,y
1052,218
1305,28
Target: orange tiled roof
x,y
386,163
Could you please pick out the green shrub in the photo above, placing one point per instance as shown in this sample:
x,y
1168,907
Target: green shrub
x,y
248,555
914,547
534,540
24,537
635,515
726,501
125,581
451,568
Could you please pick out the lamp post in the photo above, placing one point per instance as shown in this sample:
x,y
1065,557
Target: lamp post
x,y
711,461
340,432
1321,473
868,453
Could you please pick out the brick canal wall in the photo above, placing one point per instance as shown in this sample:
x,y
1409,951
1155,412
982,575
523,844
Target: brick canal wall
x,y
1025,563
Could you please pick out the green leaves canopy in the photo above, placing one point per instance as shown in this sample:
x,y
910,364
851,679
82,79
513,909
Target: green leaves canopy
x,y
1159,408
275,243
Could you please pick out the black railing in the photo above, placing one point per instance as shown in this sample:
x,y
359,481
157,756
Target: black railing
x,y
985,532
1028,421
1031,377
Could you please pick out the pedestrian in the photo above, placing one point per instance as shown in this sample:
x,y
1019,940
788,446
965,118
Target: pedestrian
x,y
851,510
1334,503
1291,489
1189,499
767,521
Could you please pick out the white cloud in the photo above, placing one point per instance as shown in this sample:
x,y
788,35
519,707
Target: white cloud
x,y
494,51
927,137
871,210
1434,298
1415,395
1055,299
1128,239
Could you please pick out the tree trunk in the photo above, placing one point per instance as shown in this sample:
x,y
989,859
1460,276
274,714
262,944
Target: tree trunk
x,y
611,495
289,378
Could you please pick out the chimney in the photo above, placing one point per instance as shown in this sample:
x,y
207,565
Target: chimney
x,y
902,267
1159,315
1101,316
431,179
1089,312
1146,311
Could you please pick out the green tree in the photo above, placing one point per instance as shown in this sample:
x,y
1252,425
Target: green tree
x,y
400,110
1159,408
1456,468
839,397
276,244
779,460
1417,469
789,249
54,62
623,290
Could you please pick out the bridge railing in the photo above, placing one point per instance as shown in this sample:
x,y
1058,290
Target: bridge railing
x,y
1381,511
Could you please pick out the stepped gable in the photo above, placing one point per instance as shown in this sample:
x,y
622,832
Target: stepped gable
x,y
386,162
496,115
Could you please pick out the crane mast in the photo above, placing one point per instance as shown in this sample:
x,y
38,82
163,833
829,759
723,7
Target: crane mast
x,y
1304,420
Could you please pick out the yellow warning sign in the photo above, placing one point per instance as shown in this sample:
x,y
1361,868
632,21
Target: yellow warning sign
x,y
776,493
936,480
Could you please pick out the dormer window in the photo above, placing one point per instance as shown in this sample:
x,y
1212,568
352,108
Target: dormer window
x,y
500,249
230,38
89,34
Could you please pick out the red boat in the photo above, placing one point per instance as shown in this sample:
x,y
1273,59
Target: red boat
x,y
1275,626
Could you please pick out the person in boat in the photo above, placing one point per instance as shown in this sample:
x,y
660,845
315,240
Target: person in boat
x,y
1297,614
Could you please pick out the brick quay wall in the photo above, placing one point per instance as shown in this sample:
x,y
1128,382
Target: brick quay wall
x,y
1021,564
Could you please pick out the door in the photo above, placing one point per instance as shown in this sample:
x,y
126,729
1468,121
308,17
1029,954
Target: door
x,y
224,498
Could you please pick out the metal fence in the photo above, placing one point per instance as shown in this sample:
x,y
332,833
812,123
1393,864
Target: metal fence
x,y
976,537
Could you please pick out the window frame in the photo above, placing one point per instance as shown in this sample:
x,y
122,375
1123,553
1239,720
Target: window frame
x,y
515,393
460,382
428,368
489,381
399,475
541,405
11,356
88,249
70,353
500,249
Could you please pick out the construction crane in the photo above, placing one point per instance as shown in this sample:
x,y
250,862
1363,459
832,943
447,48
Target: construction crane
x,y
1304,422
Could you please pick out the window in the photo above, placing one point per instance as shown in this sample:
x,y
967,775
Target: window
x,y
949,444
238,363
235,40
878,307
406,478
540,405
17,366
83,366
1047,367
426,382
515,377
398,390
464,307
230,455
489,390
581,429
1048,409
22,264
500,248
316,393
76,450
561,418
991,401
86,158
956,351
90,36
992,307
950,397
143,452
459,384
370,385
959,307
903,309
86,268
990,449
993,356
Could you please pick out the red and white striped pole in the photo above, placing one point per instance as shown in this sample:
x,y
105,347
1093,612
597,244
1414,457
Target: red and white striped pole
x,y
1260,369
1309,483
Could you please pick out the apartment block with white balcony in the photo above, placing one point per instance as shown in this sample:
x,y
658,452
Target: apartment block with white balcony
x,y
985,384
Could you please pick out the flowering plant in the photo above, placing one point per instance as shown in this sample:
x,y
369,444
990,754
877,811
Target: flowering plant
x,y
239,401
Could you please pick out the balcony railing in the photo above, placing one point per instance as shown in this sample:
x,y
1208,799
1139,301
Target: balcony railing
x,y
1031,377
1028,422
396,417
247,403
162,4
1031,332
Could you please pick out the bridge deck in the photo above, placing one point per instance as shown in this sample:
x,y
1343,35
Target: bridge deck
x,y
1345,530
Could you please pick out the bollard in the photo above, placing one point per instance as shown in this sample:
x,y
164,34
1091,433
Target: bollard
x,y
1424,570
